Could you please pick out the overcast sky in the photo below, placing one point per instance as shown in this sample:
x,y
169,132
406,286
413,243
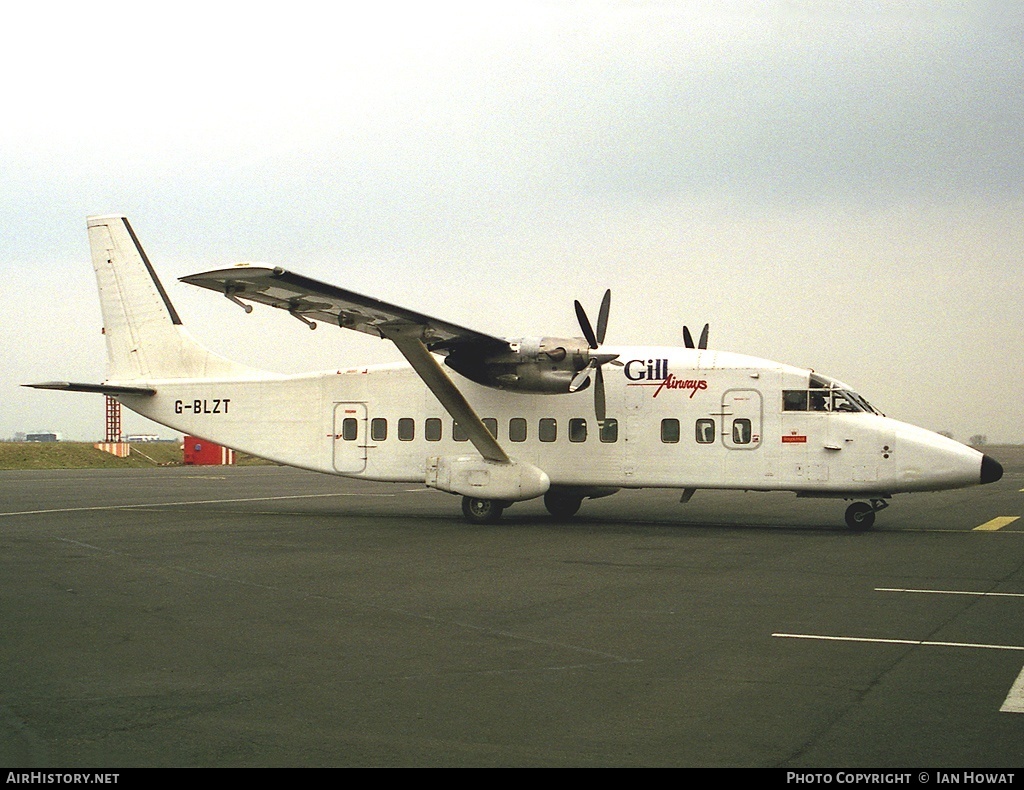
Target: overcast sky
x,y
831,185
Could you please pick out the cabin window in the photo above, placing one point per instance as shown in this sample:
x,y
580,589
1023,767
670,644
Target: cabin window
x,y
491,425
349,429
577,429
670,430
517,429
432,429
406,429
378,429
705,431
741,431
547,430
459,433
609,431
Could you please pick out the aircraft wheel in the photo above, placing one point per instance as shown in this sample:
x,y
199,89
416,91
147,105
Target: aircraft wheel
x,y
562,506
860,516
481,511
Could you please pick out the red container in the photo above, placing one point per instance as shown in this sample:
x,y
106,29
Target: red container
x,y
199,452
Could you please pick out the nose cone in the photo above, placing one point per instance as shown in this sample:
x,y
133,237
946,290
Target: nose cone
x,y
991,469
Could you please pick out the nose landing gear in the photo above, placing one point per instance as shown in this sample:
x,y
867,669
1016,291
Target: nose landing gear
x,y
860,516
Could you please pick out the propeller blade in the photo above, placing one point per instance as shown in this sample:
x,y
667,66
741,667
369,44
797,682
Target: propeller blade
x,y
588,330
580,379
687,337
599,403
602,316
704,337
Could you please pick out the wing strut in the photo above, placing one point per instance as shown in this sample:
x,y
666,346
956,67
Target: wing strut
x,y
409,340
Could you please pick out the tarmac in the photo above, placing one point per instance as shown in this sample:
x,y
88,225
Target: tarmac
x,y
263,616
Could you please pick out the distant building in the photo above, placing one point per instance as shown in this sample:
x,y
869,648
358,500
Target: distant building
x,y
142,437
45,436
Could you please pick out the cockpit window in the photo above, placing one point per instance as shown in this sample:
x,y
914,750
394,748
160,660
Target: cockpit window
x,y
794,400
825,394
823,400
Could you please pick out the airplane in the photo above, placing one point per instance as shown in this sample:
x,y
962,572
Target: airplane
x,y
497,420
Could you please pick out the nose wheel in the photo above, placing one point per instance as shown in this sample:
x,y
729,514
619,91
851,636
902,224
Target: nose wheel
x,y
860,516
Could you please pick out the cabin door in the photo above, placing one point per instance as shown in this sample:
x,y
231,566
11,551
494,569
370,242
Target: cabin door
x,y
741,419
350,437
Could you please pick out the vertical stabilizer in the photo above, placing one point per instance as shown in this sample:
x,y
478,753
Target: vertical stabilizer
x,y
145,338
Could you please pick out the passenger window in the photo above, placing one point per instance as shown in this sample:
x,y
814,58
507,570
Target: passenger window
x,y
459,433
349,429
517,429
547,430
378,429
610,431
406,429
491,425
577,429
432,429
741,431
670,430
705,431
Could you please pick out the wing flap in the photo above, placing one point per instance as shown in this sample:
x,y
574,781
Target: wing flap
x,y
310,299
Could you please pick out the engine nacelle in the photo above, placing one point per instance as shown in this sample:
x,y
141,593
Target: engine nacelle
x,y
540,364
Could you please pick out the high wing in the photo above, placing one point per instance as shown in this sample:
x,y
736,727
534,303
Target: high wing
x,y
415,335
308,299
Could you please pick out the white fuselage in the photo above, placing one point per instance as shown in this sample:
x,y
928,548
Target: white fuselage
x,y
682,418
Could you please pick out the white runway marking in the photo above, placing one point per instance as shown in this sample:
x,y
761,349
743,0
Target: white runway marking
x,y
1014,702
949,592
922,642
188,502
996,524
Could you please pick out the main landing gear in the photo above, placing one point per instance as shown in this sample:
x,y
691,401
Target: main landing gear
x,y
860,516
563,505
482,511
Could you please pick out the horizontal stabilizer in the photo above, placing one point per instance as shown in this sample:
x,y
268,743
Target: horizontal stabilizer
x,y
105,389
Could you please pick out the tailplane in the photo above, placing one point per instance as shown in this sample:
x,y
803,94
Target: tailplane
x,y
145,338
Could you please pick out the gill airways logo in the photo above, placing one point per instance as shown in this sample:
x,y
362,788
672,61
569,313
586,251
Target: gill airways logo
x,y
655,373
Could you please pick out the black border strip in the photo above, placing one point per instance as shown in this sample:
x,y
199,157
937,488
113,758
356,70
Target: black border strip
x,y
152,273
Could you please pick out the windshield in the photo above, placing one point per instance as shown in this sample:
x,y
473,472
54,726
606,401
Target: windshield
x,y
825,395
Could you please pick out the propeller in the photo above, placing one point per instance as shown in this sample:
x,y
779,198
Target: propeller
x,y
595,361
688,338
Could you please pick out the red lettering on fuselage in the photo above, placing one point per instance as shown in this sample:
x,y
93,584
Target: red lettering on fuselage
x,y
672,383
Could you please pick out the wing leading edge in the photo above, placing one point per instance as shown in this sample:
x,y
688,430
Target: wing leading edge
x,y
308,300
